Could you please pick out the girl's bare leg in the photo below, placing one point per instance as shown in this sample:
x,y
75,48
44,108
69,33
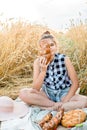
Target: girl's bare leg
x,y
55,107
34,97
77,101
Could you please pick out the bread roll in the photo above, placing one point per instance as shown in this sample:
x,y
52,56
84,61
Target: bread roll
x,y
54,122
73,117
46,52
45,119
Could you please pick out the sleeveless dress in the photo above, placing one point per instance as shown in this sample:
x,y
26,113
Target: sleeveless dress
x,y
56,82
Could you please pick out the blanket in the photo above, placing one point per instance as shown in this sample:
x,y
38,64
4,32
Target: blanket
x,y
30,121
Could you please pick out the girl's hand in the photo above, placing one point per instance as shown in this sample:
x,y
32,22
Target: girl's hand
x,y
43,64
57,106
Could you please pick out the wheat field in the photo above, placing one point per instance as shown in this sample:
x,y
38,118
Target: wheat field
x,y
19,48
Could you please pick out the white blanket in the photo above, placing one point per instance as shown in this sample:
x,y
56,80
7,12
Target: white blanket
x,y
24,123
30,121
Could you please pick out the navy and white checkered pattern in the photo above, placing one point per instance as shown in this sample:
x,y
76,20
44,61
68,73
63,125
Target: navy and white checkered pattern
x,y
57,75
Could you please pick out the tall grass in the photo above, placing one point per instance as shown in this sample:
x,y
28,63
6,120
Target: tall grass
x,y
19,48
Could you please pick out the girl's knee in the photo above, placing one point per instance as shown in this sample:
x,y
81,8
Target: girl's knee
x,y
85,103
23,94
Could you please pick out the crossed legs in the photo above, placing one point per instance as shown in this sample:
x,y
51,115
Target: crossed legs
x,y
39,98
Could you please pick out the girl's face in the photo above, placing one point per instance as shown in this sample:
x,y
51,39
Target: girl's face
x,y
43,43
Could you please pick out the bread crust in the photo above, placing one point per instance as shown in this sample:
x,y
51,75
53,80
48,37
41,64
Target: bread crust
x,y
50,122
46,53
73,117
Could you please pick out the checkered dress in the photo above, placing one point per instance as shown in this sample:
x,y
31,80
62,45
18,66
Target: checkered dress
x,y
57,75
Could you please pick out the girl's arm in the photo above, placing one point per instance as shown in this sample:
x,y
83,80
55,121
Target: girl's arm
x,y
73,76
39,70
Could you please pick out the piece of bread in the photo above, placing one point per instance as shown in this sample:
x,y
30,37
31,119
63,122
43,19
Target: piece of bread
x,y
46,52
45,119
54,122
73,117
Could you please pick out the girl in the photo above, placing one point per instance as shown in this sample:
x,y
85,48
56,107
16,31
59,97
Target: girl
x,y
54,79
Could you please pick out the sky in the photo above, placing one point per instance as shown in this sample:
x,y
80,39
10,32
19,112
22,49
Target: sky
x,y
56,14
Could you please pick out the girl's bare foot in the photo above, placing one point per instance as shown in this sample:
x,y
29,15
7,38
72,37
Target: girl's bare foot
x,y
57,106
